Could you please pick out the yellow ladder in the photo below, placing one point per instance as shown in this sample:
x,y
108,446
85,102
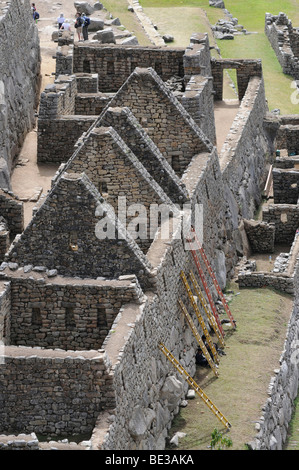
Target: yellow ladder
x,y
198,338
194,385
199,317
206,309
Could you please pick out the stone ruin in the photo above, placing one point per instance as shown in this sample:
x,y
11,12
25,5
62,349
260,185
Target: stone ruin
x,y
82,315
284,38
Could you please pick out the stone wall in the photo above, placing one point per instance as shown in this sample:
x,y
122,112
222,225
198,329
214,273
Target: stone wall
x,y
287,138
19,58
124,176
65,234
20,442
198,98
126,125
64,60
285,217
12,210
114,64
246,69
285,186
53,392
198,101
58,126
58,98
165,120
91,103
5,306
261,235
148,389
244,154
287,162
57,137
76,315
280,282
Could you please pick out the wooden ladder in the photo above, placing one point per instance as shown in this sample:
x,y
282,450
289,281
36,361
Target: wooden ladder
x,y
194,385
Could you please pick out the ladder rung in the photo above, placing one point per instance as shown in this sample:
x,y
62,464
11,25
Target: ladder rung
x,y
209,314
198,338
199,317
216,284
194,385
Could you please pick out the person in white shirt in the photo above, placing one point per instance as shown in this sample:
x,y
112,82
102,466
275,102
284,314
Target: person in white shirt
x,y
66,25
60,20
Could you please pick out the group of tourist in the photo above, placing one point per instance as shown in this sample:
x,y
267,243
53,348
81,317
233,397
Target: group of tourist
x,y
81,25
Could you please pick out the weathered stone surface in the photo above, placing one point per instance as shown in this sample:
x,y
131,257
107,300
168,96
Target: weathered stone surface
x,y
19,58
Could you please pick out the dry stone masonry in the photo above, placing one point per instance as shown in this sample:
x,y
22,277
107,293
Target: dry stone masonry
x,y
19,58
82,314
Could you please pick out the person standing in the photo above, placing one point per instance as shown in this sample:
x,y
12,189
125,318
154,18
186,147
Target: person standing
x,y
78,26
86,23
60,20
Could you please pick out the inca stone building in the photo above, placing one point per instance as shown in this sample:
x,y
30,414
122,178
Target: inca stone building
x,y
82,316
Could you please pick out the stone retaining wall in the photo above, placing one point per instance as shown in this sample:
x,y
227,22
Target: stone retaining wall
x,y
20,442
260,279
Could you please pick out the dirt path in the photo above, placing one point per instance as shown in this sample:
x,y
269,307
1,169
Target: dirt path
x,y
225,112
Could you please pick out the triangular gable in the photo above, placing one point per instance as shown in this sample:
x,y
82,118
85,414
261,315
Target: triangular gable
x,y
64,235
108,161
163,117
128,128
